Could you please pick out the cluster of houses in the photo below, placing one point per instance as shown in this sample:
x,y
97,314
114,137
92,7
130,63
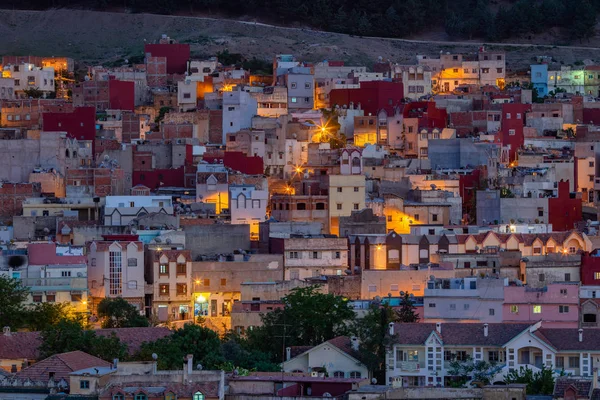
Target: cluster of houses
x,y
196,189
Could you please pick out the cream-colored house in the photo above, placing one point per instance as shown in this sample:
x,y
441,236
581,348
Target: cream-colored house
x,y
338,358
346,194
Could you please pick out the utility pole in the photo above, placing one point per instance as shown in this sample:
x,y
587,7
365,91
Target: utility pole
x,y
283,351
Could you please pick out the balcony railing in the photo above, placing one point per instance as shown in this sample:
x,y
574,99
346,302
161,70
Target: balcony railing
x,y
66,283
408,366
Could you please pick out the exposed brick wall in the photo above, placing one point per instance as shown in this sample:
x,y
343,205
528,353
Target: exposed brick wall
x,y
12,196
142,161
177,131
156,71
215,134
131,127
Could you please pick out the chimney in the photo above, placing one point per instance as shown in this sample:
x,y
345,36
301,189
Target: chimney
x,y
595,381
485,330
288,353
391,326
581,335
438,327
354,341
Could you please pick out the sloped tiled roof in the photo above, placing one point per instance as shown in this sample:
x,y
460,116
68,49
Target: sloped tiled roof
x,y
134,337
60,365
564,339
344,343
208,389
21,345
582,387
457,334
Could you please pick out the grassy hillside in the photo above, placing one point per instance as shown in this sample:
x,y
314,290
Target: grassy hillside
x,y
104,37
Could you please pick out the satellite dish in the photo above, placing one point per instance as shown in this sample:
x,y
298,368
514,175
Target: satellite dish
x,y
401,293
374,381
154,356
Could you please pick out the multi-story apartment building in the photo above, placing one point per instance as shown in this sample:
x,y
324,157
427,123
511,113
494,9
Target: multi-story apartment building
x,y
116,269
121,210
212,186
312,256
217,286
238,109
451,71
28,76
52,273
168,275
248,205
420,357
464,300
556,305
300,84
346,194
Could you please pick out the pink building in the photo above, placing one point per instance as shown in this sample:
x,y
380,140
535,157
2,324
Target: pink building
x,y
556,305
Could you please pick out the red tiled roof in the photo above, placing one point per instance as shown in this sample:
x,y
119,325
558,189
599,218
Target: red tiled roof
x,y
60,365
458,334
565,339
103,245
582,387
344,343
134,337
181,390
172,255
21,345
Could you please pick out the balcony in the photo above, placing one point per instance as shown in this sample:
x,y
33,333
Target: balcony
x,y
55,284
408,366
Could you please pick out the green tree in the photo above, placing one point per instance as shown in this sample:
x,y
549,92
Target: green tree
x,y
239,353
118,313
45,315
372,332
70,335
12,296
479,373
538,383
308,318
407,311
203,343
33,93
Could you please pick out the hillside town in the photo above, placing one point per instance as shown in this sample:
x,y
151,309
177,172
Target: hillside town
x,y
188,228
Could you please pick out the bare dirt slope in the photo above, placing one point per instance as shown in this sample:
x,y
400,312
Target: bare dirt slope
x,y
101,37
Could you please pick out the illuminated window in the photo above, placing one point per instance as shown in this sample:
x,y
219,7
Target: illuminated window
x,y
170,396
596,275
537,309
514,309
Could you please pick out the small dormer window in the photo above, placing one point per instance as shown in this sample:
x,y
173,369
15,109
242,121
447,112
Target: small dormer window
x,y
118,396
170,396
141,396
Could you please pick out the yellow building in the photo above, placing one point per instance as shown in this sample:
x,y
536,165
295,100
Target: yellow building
x,y
346,194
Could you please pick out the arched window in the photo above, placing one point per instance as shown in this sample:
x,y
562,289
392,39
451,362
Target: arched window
x,y
118,396
198,396
141,396
67,153
353,374
338,374
74,154
170,396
